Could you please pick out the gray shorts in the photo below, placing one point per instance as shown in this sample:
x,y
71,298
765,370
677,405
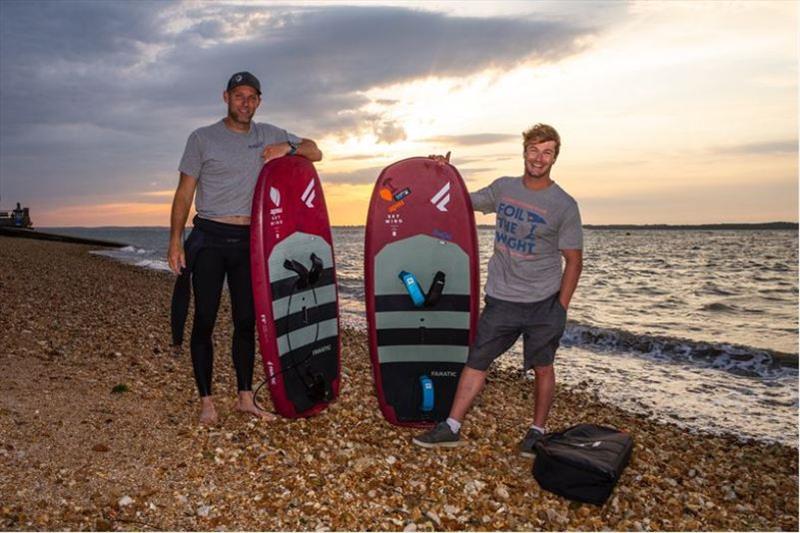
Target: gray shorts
x,y
541,325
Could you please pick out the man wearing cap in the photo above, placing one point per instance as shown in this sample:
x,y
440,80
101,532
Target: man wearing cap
x,y
221,163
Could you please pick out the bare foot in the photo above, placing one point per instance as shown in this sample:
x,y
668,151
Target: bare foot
x,y
208,414
246,404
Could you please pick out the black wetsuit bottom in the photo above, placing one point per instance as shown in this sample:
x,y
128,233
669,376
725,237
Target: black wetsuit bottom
x,y
223,254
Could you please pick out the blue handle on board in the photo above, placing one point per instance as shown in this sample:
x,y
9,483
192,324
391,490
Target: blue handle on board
x,y
426,384
412,286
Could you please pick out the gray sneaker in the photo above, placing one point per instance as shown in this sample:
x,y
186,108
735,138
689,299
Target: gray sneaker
x,y
441,436
527,446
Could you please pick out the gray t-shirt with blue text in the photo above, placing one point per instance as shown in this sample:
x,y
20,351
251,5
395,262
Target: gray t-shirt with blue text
x,y
227,164
531,229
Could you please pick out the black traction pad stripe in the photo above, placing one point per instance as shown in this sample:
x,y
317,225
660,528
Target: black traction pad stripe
x,y
285,287
403,302
315,314
423,336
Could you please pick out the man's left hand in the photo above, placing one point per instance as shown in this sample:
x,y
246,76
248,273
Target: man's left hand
x,y
441,160
274,151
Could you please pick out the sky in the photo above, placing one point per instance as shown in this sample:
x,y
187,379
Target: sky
x,y
669,112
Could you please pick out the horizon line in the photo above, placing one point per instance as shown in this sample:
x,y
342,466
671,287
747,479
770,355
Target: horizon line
x,y
585,225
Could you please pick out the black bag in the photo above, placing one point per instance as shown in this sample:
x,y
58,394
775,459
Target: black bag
x,y
582,463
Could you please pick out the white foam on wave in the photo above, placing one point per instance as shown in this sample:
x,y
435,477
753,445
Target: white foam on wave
x,y
125,250
133,256
105,253
740,360
154,264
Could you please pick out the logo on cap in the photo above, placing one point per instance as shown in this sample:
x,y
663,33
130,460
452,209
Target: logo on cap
x,y
244,78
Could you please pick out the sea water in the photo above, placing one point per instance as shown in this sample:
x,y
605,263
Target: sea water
x,y
698,328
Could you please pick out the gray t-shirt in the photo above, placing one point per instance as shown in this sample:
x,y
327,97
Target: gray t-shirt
x,y
226,165
531,228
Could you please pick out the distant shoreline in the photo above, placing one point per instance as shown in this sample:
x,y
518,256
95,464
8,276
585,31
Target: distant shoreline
x,y
723,226
728,226
755,226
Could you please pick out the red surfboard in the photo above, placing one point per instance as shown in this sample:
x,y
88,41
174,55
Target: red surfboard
x,y
294,287
421,222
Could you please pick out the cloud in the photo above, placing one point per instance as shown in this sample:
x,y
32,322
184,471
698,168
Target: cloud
x,y
758,148
480,170
313,62
359,176
361,157
468,160
316,63
390,132
166,193
101,96
474,139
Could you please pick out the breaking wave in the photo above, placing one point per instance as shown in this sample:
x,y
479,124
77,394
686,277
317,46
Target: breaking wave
x,y
736,359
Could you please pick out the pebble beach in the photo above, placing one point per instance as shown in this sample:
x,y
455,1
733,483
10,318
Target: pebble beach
x,y
98,431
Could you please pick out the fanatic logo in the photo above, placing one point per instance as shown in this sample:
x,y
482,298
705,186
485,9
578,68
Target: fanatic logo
x,y
442,198
322,349
309,194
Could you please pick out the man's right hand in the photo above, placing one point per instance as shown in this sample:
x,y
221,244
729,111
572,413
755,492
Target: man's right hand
x,y
176,257
274,151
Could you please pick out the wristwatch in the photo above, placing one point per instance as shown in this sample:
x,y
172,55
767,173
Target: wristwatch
x,y
292,147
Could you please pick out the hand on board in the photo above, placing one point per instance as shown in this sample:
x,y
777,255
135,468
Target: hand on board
x,y
441,160
274,151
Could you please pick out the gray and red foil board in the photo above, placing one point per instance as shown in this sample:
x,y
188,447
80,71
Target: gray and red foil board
x,y
421,221
298,329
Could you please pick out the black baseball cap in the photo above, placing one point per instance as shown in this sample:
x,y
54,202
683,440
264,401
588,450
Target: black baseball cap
x,y
244,78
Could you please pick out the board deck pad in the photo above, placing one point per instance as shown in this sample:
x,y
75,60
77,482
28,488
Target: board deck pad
x,y
298,327
420,221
